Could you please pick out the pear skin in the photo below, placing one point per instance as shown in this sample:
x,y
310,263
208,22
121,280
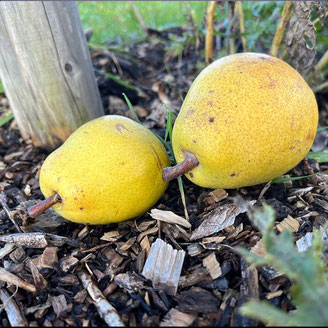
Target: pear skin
x,y
108,170
247,119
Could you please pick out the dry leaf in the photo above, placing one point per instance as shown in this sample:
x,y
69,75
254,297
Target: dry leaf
x,y
217,220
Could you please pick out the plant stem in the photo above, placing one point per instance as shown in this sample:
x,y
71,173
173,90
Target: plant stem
x,y
239,9
319,67
209,32
41,207
190,162
285,17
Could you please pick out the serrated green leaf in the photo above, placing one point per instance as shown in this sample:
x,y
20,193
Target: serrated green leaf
x,y
250,257
263,218
267,313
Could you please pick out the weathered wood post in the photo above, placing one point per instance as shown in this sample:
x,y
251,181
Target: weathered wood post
x,y
46,70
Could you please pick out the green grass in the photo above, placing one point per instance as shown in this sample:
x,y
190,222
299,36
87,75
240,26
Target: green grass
x,y
115,19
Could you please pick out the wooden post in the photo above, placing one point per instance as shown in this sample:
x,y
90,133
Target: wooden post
x,y
46,70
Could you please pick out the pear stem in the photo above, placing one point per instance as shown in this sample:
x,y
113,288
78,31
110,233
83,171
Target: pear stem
x,y
41,207
173,172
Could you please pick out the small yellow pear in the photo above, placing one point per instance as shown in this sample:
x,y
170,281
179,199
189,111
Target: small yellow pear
x,y
108,170
247,119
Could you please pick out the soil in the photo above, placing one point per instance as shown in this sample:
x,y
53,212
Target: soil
x,y
214,280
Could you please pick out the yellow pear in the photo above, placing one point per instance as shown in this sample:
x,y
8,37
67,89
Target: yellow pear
x,y
108,170
247,119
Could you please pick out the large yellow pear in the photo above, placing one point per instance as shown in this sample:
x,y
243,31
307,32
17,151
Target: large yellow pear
x,y
108,170
247,119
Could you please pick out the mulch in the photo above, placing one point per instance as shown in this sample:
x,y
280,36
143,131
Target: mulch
x,y
61,259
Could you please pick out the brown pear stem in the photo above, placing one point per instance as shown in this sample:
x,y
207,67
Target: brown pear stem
x,y
190,162
41,207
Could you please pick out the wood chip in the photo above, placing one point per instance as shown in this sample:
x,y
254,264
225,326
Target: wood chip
x,y
15,317
212,265
128,244
49,258
216,240
288,223
114,260
114,235
59,304
147,232
305,242
130,281
175,318
259,249
197,300
145,245
195,249
106,311
217,220
215,196
68,262
249,288
5,250
169,217
272,295
163,266
12,279
195,277
39,281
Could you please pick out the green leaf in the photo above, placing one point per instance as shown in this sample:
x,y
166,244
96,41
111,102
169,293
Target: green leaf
x,y
267,313
250,257
282,180
320,157
322,128
263,218
307,271
131,107
2,90
120,81
6,119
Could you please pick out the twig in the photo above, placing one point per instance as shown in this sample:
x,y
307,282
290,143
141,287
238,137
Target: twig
x,y
139,17
231,34
209,31
105,309
35,239
12,279
14,314
193,25
317,68
190,162
285,17
183,197
7,210
320,87
239,10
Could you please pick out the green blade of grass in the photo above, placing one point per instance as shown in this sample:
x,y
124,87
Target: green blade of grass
x,y
169,130
320,157
6,119
282,180
131,107
120,81
322,128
